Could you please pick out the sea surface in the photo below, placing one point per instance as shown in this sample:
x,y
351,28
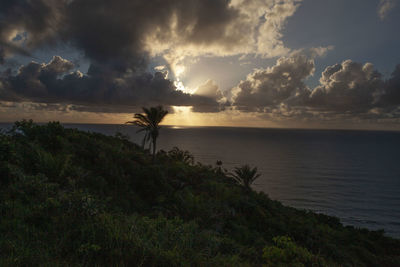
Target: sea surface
x,y
354,175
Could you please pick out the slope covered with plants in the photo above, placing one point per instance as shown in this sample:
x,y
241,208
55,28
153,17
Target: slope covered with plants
x,y
69,197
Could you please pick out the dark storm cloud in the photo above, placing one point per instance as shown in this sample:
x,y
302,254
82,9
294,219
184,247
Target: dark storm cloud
x,y
37,18
114,37
36,81
114,29
348,90
11,48
96,91
116,32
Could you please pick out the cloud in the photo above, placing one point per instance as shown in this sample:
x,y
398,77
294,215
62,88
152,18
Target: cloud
x,y
347,87
7,49
211,90
99,90
390,96
269,43
39,20
384,7
267,88
35,80
253,27
320,51
172,28
120,37
346,91
160,68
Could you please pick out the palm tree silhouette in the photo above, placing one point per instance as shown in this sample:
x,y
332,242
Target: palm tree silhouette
x,y
149,122
245,175
181,155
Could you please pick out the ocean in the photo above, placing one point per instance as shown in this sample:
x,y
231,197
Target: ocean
x,y
354,175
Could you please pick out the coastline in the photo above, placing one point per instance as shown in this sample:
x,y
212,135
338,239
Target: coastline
x,y
102,201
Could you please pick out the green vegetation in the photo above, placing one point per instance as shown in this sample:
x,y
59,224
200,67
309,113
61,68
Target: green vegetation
x,y
72,198
245,175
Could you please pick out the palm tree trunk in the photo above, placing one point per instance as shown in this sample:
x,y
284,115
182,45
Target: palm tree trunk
x,y
144,142
154,149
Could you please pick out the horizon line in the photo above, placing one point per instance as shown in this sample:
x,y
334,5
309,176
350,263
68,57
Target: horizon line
x,y
227,126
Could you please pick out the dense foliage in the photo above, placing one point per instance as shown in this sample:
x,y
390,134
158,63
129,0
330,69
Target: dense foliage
x,y
69,197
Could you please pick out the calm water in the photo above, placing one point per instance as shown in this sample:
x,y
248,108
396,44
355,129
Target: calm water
x,y
354,175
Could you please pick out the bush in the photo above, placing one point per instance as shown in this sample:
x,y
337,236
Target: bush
x,y
285,252
74,198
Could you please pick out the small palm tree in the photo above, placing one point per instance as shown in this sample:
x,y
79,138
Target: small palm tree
x,y
181,155
245,175
149,121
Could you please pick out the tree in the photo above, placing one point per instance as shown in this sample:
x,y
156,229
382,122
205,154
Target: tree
x,y
181,155
149,122
245,175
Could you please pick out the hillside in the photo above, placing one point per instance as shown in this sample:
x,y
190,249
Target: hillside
x,y
69,197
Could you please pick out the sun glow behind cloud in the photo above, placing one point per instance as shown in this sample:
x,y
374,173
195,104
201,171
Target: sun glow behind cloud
x,y
178,82
179,86
178,71
181,116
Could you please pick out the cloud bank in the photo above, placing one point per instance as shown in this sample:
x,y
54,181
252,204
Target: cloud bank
x,y
98,91
348,90
124,32
120,37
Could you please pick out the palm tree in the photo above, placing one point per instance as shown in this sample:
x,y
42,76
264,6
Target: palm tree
x,y
181,155
245,175
149,122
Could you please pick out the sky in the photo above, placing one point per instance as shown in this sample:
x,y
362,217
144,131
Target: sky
x,y
251,63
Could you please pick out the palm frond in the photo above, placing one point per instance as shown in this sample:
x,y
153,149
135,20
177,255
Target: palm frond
x,y
149,121
245,175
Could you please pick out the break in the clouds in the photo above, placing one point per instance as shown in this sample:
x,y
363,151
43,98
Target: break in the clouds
x,y
347,90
